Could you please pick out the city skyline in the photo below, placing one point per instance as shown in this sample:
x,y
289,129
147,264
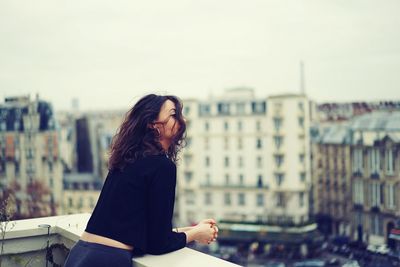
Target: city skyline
x,y
109,54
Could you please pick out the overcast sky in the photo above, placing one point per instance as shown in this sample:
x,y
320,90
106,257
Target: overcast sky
x,y
108,53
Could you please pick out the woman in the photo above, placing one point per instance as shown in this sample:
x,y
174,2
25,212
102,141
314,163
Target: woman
x,y
135,207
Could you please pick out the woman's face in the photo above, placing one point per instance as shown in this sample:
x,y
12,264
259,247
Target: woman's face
x,y
166,122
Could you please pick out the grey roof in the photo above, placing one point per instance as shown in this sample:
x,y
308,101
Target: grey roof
x,y
335,134
383,121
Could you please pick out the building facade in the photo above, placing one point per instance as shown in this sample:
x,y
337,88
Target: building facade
x,y
30,164
247,160
356,177
81,192
376,178
332,179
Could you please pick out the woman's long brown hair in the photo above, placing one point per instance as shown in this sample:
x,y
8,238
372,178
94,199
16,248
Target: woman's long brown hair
x,y
137,139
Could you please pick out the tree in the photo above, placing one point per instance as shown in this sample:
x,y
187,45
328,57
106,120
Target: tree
x,y
7,211
40,202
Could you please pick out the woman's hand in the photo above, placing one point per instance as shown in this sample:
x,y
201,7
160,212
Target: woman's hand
x,y
205,232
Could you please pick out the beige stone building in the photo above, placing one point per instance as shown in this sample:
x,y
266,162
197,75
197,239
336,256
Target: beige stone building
x,y
376,178
332,180
356,177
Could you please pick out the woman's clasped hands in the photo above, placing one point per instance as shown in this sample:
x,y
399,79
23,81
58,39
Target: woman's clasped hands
x,y
206,231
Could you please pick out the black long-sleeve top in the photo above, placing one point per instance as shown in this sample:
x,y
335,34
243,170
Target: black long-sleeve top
x,y
136,206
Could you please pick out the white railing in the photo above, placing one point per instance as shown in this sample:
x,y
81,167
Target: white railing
x,y
27,239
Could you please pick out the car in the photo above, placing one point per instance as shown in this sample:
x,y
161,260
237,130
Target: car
x,y
372,248
379,249
382,249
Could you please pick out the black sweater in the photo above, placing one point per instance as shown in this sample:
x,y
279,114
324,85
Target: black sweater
x,y
136,206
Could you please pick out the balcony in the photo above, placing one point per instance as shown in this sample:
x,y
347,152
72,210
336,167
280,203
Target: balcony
x,y
26,243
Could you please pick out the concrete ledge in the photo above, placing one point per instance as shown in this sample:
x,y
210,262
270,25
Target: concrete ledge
x,y
27,238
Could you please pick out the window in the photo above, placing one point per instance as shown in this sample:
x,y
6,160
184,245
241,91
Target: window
x,y
240,143
301,199
374,161
204,109
240,126
17,168
226,162
358,192
279,177
376,225
91,201
389,162
241,179
80,203
302,177
301,158
188,141
223,108
259,162
277,123
241,199
206,143
375,192
240,161
301,122
391,196
278,160
208,179
301,106
258,126
280,200
258,107
207,161
278,140
188,177
227,199
358,160
260,200
227,179
260,181
187,159
207,198
226,143
240,108
206,126
186,110
189,197
29,153
226,126
259,143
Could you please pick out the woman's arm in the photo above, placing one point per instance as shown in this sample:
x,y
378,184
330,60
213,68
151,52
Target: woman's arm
x,y
182,229
211,222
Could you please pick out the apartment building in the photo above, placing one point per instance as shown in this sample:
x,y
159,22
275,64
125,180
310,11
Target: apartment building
x,y
332,178
30,163
356,177
375,152
247,160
